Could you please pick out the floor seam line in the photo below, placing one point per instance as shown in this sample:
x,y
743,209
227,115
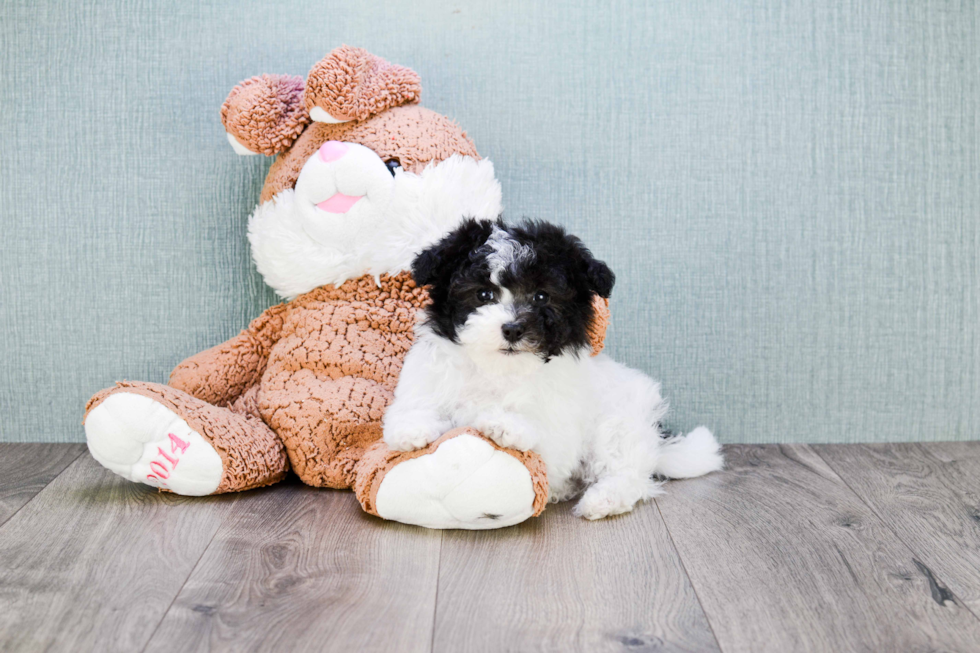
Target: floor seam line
x,y
885,523
181,589
36,494
435,602
690,580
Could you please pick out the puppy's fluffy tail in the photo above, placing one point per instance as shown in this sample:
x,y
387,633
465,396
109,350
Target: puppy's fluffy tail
x,y
687,456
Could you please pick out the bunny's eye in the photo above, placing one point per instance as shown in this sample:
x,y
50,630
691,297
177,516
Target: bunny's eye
x,y
392,165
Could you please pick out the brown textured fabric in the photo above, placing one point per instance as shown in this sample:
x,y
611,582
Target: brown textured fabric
x,y
353,84
413,135
379,460
333,371
251,454
221,374
600,322
266,113
247,403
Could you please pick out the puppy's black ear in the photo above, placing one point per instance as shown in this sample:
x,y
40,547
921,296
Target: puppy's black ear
x,y
601,278
425,267
436,264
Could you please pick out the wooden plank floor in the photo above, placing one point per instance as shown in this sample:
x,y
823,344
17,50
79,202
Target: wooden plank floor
x,y
26,468
792,548
929,494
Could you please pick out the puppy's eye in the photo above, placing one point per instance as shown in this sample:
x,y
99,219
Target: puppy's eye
x,y
540,298
486,296
392,165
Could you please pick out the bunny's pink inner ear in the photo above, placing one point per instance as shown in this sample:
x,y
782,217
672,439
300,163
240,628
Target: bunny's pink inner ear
x,y
265,114
353,84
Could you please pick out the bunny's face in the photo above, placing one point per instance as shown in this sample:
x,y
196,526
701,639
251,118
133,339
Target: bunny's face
x,y
342,190
364,197
371,182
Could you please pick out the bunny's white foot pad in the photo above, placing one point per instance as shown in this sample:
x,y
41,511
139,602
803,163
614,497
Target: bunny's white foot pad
x,y
144,441
464,483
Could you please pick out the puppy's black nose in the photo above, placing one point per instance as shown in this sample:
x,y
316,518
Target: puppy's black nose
x,y
513,331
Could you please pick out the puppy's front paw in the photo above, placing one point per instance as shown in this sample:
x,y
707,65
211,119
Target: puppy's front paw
x,y
596,504
614,496
413,430
508,430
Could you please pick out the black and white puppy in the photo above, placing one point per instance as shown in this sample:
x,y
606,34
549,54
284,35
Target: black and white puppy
x,y
504,348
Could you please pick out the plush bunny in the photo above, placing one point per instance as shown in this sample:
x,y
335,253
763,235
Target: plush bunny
x,y
365,178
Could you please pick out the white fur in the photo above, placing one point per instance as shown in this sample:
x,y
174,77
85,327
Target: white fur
x,y
298,247
506,251
690,456
592,420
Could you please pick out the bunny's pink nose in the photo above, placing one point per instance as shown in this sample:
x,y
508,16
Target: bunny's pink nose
x,y
332,150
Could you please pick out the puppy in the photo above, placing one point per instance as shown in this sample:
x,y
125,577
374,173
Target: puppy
x,y
504,348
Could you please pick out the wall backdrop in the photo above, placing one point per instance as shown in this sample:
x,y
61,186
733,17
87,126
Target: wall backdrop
x,y
789,192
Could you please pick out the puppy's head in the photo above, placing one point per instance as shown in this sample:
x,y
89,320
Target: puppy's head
x,y
512,296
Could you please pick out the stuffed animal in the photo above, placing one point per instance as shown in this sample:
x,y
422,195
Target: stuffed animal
x,y
364,179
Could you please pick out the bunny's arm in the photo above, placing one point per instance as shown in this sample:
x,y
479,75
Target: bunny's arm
x,y
221,374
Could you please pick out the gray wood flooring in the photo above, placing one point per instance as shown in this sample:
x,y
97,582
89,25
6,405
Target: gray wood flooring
x,y
792,548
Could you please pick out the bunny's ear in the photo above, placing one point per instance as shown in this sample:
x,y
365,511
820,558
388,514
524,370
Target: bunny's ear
x,y
353,84
265,114
599,324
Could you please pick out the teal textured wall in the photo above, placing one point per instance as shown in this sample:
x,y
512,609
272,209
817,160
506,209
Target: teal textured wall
x,y
788,191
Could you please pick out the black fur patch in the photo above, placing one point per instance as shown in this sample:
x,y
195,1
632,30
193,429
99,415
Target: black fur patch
x,y
556,265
